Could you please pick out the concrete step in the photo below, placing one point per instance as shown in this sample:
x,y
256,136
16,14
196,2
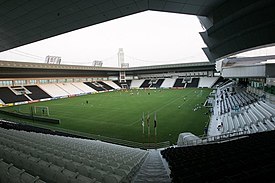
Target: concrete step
x,y
152,170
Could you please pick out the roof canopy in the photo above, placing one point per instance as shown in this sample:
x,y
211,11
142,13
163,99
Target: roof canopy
x,y
231,25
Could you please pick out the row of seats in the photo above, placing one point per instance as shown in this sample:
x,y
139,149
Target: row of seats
x,y
96,86
248,159
207,82
243,122
240,111
92,160
12,174
229,101
194,83
7,96
170,82
150,83
55,90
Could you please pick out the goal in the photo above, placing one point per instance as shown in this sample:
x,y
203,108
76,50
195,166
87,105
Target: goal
x,y
41,111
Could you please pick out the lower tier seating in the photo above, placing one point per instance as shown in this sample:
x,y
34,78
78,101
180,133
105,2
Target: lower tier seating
x,y
64,159
10,173
95,86
37,93
194,83
7,96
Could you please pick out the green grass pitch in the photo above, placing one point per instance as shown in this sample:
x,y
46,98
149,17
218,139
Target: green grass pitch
x,y
118,114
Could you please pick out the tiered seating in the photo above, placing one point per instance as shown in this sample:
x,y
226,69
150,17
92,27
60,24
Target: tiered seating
x,y
95,86
136,83
168,83
37,93
267,107
63,159
236,123
112,84
179,82
266,113
230,124
105,86
157,83
207,82
146,84
127,83
69,88
225,124
270,125
248,159
247,118
241,111
229,102
152,83
194,83
253,117
7,96
84,88
54,90
255,111
242,121
10,173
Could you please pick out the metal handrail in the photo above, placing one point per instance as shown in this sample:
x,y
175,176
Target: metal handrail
x,y
216,139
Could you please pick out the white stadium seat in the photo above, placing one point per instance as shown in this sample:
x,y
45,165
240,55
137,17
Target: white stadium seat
x,y
60,158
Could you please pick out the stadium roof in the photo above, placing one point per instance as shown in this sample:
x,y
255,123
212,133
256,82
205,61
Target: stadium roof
x,y
231,25
11,69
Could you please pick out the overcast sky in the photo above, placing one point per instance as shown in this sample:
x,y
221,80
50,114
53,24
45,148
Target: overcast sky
x,y
148,38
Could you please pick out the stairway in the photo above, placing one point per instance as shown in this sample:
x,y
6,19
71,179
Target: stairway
x,y
152,170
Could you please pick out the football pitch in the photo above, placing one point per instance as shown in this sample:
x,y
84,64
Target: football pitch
x,y
118,114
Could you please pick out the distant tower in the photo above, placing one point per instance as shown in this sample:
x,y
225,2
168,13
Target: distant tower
x,y
122,75
120,55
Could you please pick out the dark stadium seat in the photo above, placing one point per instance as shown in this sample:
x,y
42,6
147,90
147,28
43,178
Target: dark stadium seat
x,y
152,83
157,84
194,83
127,83
7,96
37,93
240,160
146,84
179,83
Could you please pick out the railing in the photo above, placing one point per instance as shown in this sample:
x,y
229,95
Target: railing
x,y
217,138
97,137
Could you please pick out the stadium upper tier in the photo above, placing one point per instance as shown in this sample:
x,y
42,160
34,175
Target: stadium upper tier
x,y
11,69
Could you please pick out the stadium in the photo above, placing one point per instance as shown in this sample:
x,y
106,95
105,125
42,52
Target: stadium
x,y
208,121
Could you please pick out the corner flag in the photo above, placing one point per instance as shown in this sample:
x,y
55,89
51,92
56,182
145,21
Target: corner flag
x,y
148,123
155,120
142,123
148,120
155,124
142,119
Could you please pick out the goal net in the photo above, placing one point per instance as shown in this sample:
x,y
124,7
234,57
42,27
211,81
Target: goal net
x,y
41,111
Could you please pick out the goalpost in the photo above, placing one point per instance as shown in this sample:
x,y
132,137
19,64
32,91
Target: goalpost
x,y
41,111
